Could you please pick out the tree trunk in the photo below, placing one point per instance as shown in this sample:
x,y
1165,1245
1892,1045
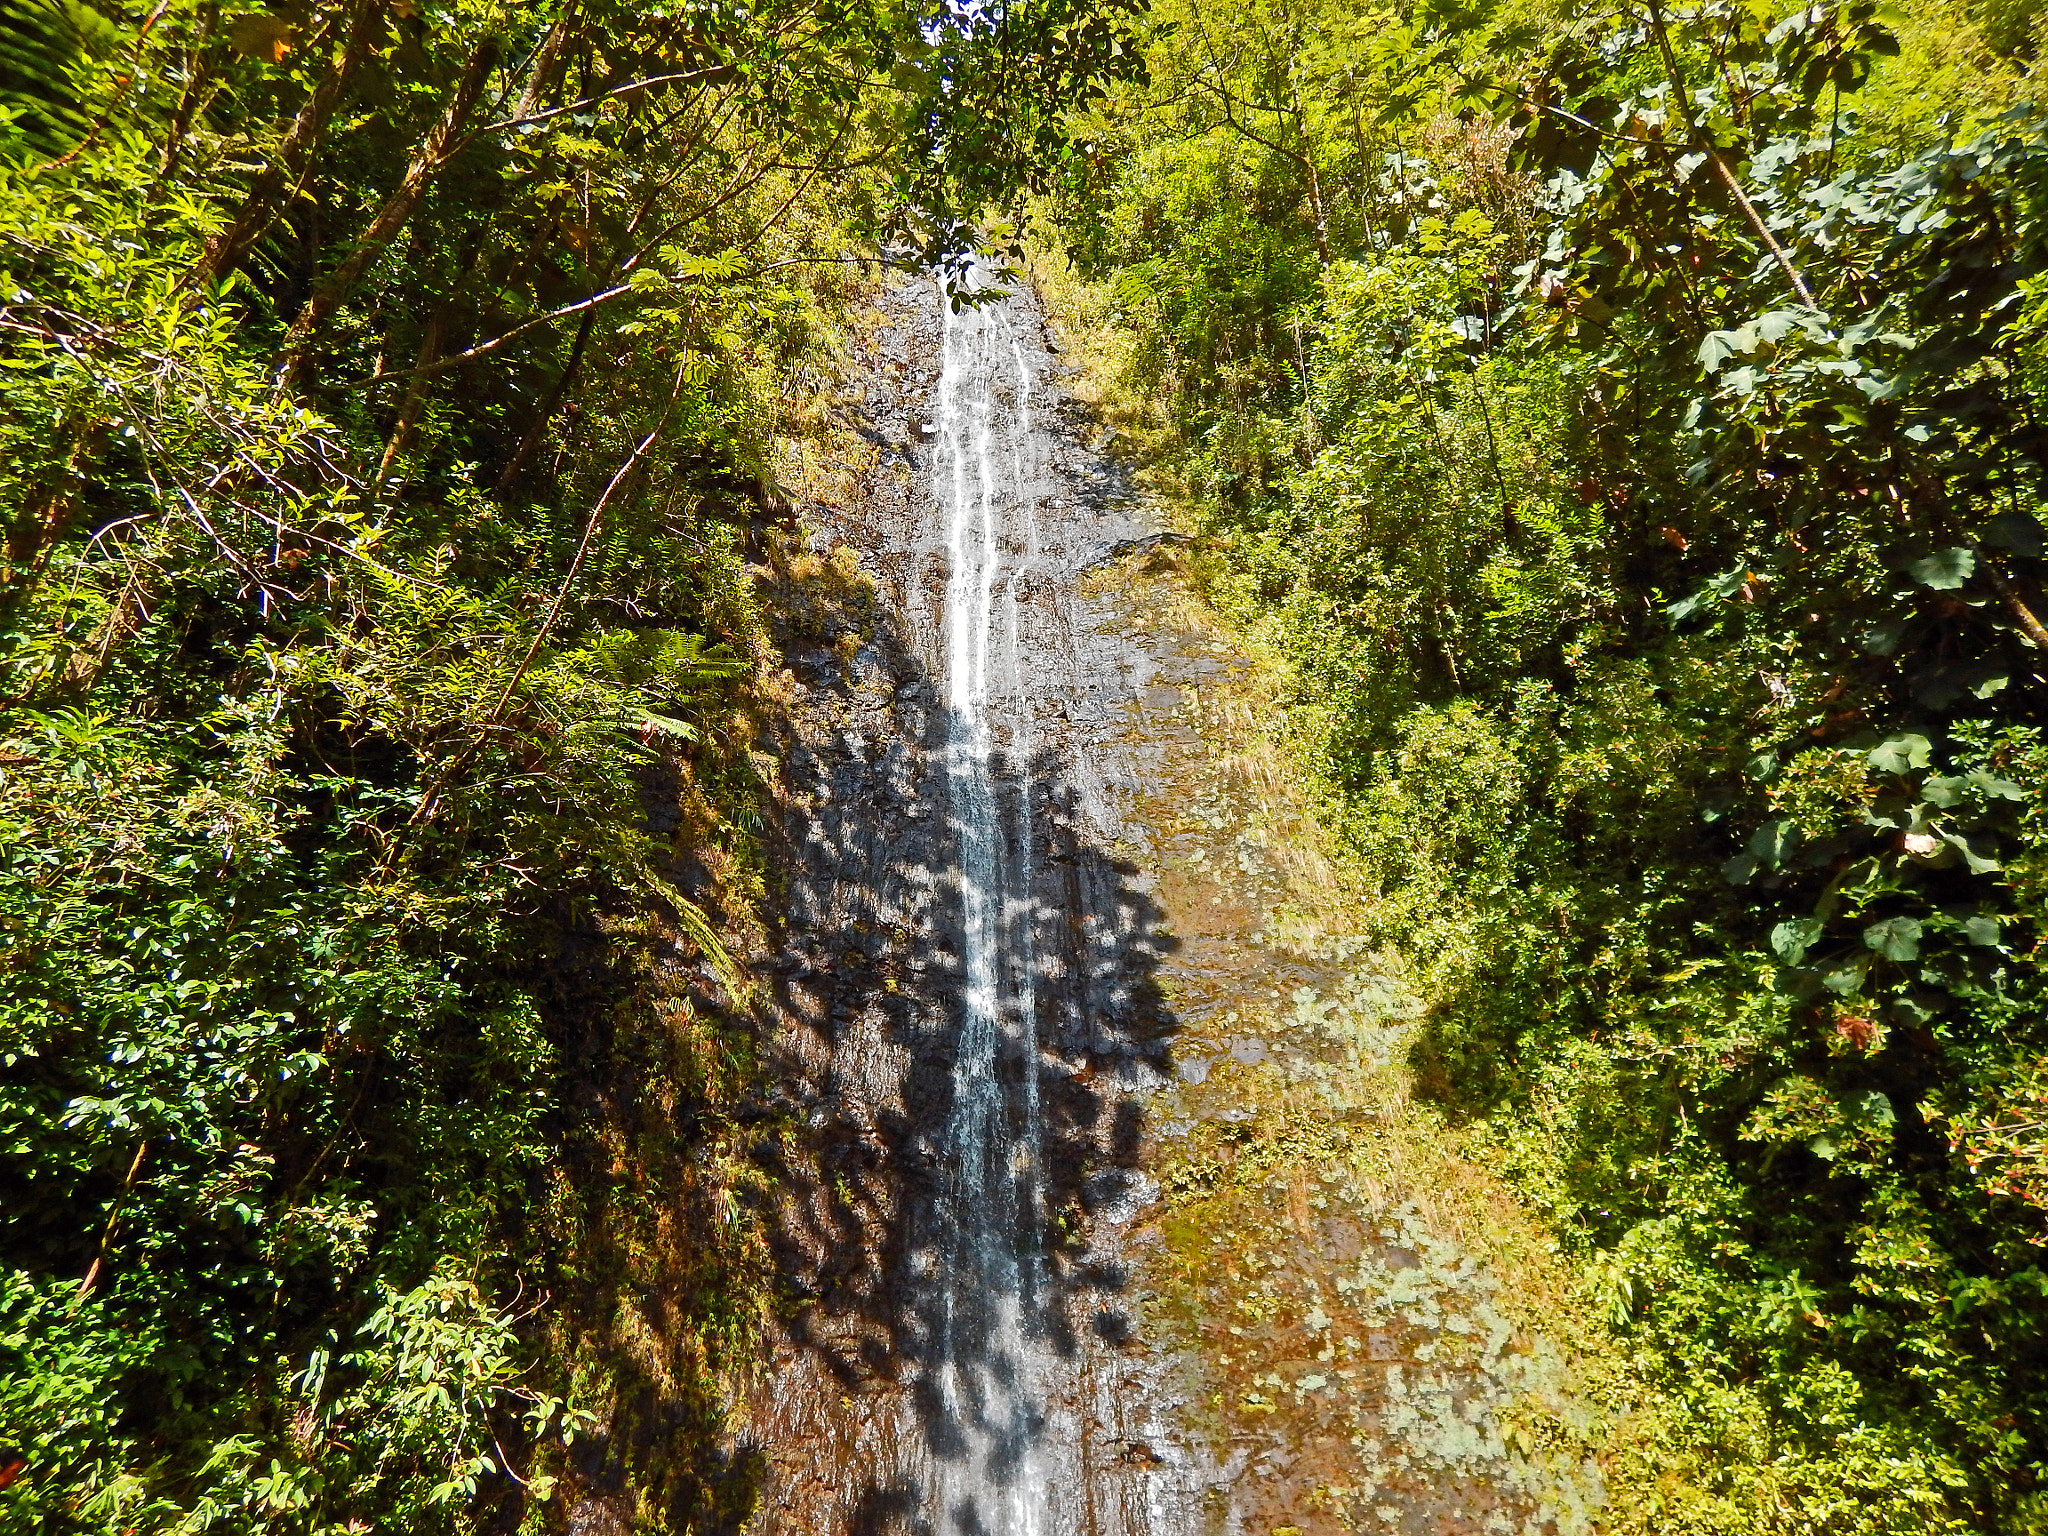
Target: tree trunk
x,y
225,250
390,219
415,395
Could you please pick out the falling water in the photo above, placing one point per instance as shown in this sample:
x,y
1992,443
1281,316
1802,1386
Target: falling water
x,y
989,1372
971,1365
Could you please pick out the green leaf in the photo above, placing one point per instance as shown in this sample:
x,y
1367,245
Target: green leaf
x,y
1991,786
1981,930
1945,569
1780,323
1917,1009
1722,345
1944,791
641,719
1686,607
1896,938
1846,979
1794,937
1979,865
1882,637
1871,1108
1774,841
2017,532
1730,582
1900,754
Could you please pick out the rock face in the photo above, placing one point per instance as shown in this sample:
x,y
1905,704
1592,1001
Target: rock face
x,y
967,982
1057,932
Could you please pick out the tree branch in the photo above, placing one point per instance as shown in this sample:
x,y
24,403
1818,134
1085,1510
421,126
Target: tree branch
x,y
1720,164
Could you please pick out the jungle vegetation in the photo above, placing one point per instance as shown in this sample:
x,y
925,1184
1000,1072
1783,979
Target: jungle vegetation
x,y
392,400
1626,422
1629,424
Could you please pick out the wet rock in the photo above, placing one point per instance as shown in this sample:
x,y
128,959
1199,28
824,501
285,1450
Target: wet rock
x,y
869,858
1117,1195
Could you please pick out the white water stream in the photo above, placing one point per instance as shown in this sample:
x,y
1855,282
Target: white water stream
x,y
969,1003
990,1366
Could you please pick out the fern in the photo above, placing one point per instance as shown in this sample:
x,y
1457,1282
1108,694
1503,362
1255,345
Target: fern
x,y
44,45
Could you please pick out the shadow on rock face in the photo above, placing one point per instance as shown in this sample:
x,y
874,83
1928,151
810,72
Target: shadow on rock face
x,y
965,977
881,1511
871,989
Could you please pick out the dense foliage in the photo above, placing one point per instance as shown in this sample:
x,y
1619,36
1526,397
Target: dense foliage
x,y
392,398
1629,426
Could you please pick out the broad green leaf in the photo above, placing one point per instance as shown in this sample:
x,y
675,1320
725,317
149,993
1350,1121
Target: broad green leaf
x,y
1871,1108
1977,862
1901,754
1719,346
1945,569
1991,786
1794,937
1882,637
1944,791
2016,532
1686,607
1728,583
1896,938
1774,841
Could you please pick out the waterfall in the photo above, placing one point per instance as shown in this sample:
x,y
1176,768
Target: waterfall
x,y
971,1002
989,1370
